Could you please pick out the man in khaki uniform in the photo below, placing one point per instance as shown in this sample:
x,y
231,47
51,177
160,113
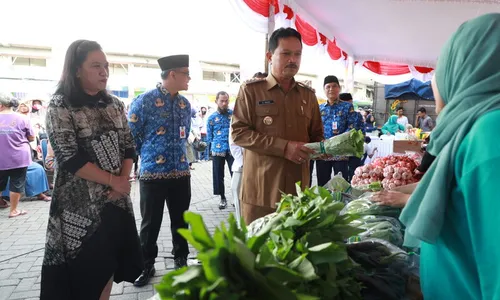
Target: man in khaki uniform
x,y
273,118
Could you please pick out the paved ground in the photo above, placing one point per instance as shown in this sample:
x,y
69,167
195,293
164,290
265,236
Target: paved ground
x,y
22,241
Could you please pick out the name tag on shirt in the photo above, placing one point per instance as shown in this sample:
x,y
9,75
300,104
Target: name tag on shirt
x,y
264,102
182,132
334,126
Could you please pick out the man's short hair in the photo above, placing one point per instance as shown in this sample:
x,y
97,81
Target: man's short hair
x,y
422,110
282,33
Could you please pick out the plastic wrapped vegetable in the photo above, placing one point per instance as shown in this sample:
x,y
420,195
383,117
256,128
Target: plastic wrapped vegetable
x,y
385,228
346,144
339,184
364,206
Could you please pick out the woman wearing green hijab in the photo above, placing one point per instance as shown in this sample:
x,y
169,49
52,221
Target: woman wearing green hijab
x,y
392,126
453,213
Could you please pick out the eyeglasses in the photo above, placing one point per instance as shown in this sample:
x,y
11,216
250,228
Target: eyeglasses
x,y
185,73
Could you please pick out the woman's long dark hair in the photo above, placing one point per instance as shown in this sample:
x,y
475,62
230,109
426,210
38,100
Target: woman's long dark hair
x,y
69,85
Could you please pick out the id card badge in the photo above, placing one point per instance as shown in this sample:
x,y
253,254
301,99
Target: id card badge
x,y
334,126
182,132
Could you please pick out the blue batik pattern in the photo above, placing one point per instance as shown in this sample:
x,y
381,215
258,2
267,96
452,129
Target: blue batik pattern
x,y
218,132
160,123
339,118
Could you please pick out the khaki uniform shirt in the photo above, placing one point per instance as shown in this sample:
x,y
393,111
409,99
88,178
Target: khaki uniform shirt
x,y
265,118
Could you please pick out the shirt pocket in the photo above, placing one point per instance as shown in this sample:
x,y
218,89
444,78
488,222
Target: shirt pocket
x,y
304,115
267,119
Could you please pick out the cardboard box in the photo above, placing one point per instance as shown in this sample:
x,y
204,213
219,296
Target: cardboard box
x,y
403,146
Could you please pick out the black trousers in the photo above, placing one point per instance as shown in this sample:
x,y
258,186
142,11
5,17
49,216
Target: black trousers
x,y
154,194
354,163
324,170
218,163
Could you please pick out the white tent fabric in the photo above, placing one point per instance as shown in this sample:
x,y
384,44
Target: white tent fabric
x,y
396,31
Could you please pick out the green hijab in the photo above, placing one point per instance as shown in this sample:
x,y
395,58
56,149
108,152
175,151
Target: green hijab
x,y
468,79
392,125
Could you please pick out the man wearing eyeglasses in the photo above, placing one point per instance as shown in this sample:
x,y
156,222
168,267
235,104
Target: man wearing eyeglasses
x,y
160,120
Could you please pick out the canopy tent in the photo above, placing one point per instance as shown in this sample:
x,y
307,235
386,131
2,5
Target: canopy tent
x,y
387,37
411,89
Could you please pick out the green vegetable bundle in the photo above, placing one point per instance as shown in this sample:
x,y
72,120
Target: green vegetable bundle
x,y
347,144
364,206
298,254
231,267
310,237
385,228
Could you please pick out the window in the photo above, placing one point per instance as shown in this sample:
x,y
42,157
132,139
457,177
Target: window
x,y
216,76
30,62
235,77
143,66
118,69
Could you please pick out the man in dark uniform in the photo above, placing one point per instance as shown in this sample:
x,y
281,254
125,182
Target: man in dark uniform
x,y
160,120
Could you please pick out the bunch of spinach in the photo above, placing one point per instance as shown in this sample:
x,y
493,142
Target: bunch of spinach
x,y
309,238
299,254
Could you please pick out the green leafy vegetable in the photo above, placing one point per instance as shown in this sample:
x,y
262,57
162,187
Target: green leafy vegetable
x,y
349,144
296,254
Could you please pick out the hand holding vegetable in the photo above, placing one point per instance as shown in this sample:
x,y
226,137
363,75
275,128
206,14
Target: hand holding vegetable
x,y
297,152
390,198
349,144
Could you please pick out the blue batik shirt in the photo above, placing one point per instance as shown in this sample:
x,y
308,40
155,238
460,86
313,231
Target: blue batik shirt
x,y
160,123
218,132
339,118
357,121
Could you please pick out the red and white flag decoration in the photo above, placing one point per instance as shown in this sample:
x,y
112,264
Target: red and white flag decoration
x,y
256,13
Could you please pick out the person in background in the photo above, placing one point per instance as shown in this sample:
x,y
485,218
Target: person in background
x,y
24,108
358,123
424,122
15,134
402,119
218,137
36,179
368,151
335,118
36,183
391,127
204,156
160,120
273,119
195,130
91,234
453,212
50,159
369,121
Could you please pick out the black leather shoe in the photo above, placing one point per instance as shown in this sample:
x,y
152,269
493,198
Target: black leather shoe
x,y
222,204
145,276
180,262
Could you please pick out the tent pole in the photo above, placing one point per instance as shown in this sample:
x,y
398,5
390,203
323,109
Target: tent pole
x,y
270,29
266,63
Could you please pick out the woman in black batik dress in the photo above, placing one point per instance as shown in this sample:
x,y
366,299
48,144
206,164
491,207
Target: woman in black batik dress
x,y
92,239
